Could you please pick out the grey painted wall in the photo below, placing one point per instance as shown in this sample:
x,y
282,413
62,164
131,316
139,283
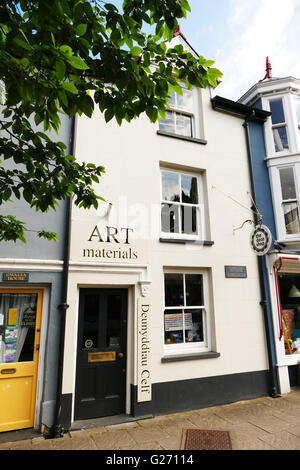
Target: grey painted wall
x,y
54,221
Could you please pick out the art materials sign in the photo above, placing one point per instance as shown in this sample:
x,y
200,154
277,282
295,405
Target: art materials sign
x,y
144,384
107,244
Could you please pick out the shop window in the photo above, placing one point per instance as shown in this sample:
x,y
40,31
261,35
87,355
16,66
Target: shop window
x,y
185,312
17,326
279,126
181,207
289,294
289,200
180,118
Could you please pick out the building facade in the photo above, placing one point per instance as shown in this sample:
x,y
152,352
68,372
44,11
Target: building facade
x,y
163,289
276,176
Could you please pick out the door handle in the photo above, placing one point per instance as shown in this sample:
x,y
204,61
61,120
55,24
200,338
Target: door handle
x,y
120,355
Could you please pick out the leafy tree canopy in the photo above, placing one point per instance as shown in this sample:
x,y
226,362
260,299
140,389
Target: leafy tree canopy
x,y
68,56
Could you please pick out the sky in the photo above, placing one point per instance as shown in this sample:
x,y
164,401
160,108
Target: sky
x,y
239,34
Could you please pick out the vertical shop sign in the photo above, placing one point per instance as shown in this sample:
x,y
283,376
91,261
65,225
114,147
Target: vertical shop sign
x,y
144,385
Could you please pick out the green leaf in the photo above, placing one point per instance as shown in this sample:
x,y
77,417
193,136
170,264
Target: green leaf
x,y
70,87
81,29
135,51
23,44
60,69
109,114
78,63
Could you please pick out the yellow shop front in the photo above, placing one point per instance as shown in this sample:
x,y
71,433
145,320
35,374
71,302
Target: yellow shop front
x,y
20,328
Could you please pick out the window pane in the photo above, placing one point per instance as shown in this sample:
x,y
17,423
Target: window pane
x,y
194,289
90,321
280,139
173,290
193,323
288,189
298,110
172,100
183,125
189,220
17,327
189,189
291,217
186,100
276,107
169,124
173,321
113,328
170,218
170,186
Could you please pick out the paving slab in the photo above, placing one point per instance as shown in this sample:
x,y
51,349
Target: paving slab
x,y
264,423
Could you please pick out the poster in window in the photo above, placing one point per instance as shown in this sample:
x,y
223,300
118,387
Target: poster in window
x,y
174,321
12,316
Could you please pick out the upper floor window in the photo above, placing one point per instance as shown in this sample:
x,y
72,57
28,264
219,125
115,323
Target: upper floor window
x,y
279,127
290,200
181,207
180,118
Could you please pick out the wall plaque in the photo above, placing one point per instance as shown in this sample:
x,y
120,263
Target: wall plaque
x,y
15,277
236,271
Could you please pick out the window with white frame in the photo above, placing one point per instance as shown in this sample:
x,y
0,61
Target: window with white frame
x,y
290,200
186,312
181,205
279,126
180,119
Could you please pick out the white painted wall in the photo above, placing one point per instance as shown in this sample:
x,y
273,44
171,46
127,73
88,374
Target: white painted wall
x,y
132,155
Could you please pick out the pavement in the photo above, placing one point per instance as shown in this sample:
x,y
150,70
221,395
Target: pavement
x,y
263,423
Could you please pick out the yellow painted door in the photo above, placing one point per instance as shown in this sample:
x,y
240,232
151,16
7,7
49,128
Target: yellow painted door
x,y
20,327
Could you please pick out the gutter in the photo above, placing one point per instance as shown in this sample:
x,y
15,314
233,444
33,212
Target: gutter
x,y
57,429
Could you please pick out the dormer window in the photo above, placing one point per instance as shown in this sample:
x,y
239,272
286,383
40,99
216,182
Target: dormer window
x,y
279,127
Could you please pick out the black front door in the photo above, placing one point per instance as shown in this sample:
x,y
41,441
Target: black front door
x,y
101,353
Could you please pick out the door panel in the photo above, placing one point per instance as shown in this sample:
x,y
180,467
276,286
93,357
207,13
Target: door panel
x,y
20,323
101,353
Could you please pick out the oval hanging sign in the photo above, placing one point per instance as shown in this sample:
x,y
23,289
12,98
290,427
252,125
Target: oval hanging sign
x,y
261,240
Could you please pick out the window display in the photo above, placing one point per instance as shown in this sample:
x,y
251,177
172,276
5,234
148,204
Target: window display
x,y
289,287
184,308
17,326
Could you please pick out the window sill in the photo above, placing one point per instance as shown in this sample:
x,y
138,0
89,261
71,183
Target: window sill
x,y
190,357
186,240
182,137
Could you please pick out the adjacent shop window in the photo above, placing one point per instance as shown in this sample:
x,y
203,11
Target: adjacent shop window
x,y
181,207
279,127
180,116
185,312
17,326
290,200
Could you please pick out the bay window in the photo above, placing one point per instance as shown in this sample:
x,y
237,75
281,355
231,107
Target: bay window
x,y
289,200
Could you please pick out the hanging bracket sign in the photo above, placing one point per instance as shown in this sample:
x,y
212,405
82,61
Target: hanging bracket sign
x,y
261,240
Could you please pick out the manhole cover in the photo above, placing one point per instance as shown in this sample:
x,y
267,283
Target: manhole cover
x,y
198,439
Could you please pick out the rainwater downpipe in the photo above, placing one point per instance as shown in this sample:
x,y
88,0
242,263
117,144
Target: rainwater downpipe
x,y
275,390
57,428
